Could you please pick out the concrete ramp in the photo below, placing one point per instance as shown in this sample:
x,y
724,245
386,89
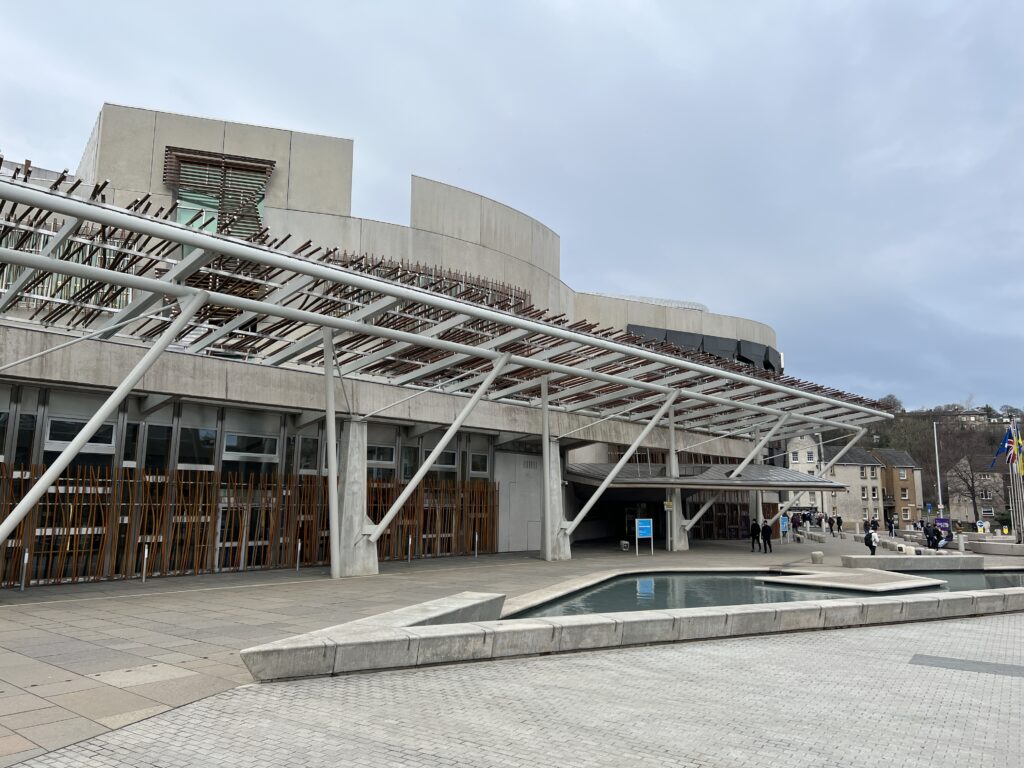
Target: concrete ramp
x,y
859,579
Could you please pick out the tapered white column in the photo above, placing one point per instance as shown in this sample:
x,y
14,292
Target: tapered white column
x,y
358,552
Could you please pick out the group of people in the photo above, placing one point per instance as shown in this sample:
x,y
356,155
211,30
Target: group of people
x,y
935,537
760,537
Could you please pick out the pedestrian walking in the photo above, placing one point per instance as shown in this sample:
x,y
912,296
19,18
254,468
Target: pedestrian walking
x,y
832,525
892,528
839,523
871,540
755,536
766,537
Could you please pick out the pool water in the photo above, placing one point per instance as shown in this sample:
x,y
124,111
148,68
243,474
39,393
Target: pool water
x,y
652,591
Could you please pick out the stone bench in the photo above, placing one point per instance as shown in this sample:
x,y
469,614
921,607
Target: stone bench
x,y
363,646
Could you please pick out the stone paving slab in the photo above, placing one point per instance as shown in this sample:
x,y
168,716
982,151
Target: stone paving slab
x,y
212,617
800,701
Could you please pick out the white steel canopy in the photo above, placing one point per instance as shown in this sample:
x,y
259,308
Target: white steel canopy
x,y
94,269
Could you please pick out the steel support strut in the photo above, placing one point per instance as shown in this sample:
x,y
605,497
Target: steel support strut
x,y
410,488
330,433
105,411
570,527
754,453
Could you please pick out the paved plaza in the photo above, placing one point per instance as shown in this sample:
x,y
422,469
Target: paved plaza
x,y
78,661
916,695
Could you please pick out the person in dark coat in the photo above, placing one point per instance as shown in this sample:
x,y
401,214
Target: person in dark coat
x,y
839,523
766,537
755,536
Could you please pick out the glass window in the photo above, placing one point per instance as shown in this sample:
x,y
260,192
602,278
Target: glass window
x,y
873,473
309,450
384,454
197,446
410,462
810,455
158,447
863,473
988,512
23,446
65,430
903,474
795,457
479,463
131,442
874,492
244,470
445,459
383,474
259,445
4,417
906,513
863,491
904,493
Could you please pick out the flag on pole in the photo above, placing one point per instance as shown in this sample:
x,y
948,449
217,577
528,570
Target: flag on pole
x,y
1009,441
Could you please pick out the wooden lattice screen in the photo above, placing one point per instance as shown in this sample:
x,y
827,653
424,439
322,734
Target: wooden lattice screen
x,y
101,524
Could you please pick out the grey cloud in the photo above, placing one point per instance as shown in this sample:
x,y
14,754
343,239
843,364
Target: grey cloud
x,y
847,172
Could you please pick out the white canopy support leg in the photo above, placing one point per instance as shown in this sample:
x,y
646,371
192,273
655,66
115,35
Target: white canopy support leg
x,y
678,540
330,433
568,528
821,473
109,407
378,531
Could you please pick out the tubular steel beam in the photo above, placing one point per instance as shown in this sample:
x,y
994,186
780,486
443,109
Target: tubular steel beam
x,y
237,302
655,420
109,406
26,275
467,409
107,215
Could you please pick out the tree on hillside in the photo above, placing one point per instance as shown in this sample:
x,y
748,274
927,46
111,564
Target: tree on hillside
x,y
892,404
966,458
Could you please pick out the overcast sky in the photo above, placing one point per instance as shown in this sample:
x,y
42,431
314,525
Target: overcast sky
x,y
851,173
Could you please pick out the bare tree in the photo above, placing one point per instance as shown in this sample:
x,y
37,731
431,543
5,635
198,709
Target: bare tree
x,y
892,404
971,477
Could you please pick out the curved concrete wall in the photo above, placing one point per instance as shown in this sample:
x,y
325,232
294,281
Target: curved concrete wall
x,y
310,193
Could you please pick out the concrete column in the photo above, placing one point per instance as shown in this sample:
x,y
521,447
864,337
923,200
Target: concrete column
x,y
358,553
679,537
554,542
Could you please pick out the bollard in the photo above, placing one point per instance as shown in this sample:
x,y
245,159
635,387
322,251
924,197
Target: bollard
x,y
24,570
145,561
960,539
476,540
298,556
817,558
408,550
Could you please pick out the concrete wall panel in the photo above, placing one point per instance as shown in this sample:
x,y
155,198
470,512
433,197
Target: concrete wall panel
x,y
389,241
506,230
445,209
126,147
320,174
328,231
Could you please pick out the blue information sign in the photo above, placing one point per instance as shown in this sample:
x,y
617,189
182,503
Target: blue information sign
x,y
784,524
644,528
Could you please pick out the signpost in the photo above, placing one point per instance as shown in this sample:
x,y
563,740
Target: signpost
x,y
644,530
942,523
783,527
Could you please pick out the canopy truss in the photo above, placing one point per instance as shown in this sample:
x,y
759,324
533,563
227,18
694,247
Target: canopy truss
x,y
72,263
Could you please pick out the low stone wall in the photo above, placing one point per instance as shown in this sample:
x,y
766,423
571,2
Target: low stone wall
x,y
942,561
361,647
996,548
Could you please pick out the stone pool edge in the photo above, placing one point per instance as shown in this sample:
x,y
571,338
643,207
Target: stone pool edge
x,y
414,639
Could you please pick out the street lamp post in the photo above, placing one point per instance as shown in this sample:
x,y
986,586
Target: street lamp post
x,y
938,472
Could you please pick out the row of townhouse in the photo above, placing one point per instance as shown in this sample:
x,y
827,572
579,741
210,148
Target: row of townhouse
x,y
882,483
